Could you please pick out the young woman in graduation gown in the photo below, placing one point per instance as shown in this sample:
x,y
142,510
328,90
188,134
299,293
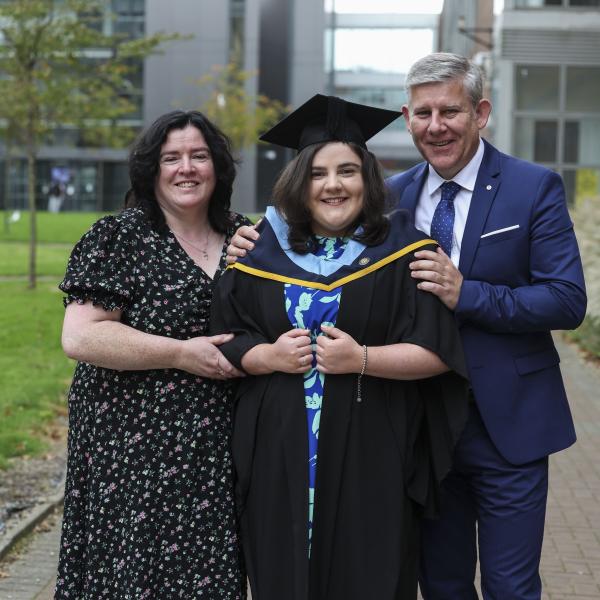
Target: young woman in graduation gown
x,y
357,388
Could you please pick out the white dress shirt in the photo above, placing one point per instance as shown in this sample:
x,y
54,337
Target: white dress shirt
x,y
431,194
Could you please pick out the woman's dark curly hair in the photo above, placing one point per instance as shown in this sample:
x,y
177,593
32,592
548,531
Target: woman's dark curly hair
x,y
292,189
144,167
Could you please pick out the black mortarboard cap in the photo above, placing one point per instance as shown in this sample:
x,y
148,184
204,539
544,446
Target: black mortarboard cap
x,y
329,119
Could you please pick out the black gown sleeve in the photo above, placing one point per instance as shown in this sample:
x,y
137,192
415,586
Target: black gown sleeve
x,y
444,399
229,314
433,326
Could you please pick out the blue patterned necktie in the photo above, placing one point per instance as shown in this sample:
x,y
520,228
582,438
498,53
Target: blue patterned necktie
x,y
442,224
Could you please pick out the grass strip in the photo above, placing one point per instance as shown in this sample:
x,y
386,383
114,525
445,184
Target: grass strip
x,y
587,336
51,259
54,228
35,371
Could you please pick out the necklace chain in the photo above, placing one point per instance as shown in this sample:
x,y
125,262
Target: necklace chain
x,y
203,251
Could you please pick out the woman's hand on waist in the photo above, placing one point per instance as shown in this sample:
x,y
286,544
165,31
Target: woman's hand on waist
x,y
201,356
94,335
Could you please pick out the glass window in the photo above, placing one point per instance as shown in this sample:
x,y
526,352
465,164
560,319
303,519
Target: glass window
x,y
583,89
582,141
392,165
131,28
536,87
433,7
523,140
390,98
535,139
537,3
584,2
403,48
129,7
544,148
114,185
571,142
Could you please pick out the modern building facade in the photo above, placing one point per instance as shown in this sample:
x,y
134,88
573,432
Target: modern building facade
x,y
296,48
367,57
91,178
466,28
546,88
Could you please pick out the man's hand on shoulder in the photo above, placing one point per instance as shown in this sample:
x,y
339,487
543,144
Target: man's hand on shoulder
x,y
438,275
242,242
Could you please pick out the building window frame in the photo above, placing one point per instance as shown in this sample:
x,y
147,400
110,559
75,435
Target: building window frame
x,y
564,5
561,117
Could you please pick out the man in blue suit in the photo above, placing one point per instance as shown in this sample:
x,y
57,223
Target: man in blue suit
x,y
511,271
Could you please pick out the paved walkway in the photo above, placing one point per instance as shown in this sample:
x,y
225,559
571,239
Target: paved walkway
x,y
571,556
33,575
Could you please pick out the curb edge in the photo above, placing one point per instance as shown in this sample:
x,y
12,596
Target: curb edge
x,y
28,521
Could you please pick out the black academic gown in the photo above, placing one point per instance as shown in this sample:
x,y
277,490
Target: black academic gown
x,y
380,460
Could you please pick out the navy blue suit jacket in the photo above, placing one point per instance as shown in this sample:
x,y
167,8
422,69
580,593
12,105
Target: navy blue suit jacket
x,y
518,285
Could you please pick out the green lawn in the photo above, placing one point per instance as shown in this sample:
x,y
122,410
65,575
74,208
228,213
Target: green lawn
x,y
57,233
51,259
35,372
587,336
55,228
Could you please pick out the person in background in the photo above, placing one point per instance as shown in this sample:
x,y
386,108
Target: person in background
x,y
56,197
509,267
356,390
149,507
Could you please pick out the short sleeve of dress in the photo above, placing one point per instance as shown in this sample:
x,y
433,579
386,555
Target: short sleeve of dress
x,y
237,220
102,265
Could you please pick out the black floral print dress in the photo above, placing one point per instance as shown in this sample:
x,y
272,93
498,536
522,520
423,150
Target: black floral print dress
x,y
149,511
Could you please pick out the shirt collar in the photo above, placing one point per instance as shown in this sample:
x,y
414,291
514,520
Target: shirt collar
x,y
466,177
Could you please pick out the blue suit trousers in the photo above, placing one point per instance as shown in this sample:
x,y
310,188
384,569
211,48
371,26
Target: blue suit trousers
x,y
493,506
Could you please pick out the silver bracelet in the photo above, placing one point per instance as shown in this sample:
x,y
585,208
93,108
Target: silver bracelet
x,y
360,375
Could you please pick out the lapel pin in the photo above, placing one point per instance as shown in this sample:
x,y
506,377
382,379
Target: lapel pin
x,y
488,187
364,261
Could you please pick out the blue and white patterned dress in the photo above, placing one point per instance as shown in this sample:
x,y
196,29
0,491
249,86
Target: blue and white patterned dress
x,y
309,308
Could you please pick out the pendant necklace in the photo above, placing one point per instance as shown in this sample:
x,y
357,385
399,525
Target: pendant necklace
x,y
203,251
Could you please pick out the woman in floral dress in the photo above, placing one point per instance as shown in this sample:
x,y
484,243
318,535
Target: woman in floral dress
x,y
148,504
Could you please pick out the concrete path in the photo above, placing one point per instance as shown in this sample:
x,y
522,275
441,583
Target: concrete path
x,y
33,574
571,556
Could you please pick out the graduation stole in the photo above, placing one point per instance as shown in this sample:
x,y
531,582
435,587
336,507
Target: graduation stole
x,y
272,258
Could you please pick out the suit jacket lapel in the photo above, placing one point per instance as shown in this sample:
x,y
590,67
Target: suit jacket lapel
x,y
486,188
410,195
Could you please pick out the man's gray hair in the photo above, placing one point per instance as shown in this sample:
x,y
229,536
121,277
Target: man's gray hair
x,y
441,67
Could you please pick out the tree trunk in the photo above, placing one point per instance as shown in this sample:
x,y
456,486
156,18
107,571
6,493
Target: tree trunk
x,y
7,162
32,216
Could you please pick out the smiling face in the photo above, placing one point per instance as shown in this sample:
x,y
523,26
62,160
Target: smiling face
x,y
444,124
186,179
336,191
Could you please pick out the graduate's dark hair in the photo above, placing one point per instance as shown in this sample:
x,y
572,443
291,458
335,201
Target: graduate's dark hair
x,y
291,194
144,167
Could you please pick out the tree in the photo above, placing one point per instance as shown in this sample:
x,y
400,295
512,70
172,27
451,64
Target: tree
x,y
58,68
240,115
